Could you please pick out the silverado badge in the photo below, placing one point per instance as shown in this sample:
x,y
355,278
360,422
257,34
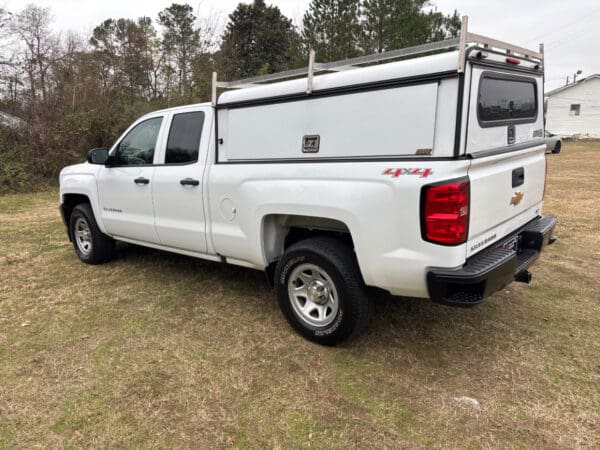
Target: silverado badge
x,y
516,199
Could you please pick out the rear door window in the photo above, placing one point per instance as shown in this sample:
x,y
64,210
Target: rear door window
x,y
184,138
506,99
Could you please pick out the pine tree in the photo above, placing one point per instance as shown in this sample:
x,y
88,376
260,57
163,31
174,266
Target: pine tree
x,y
332,28
258,39
393,24
443,27
125,51
181,43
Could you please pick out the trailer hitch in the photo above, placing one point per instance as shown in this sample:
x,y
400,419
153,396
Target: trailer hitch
x,y
524,277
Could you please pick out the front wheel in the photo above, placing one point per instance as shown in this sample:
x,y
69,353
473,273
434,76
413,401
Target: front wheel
x,y
91,245
321,291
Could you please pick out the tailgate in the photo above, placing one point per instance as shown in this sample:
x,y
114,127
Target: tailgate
x,y
508,166
506,193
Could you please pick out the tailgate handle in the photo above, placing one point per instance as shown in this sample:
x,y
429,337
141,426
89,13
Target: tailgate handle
x,y
511,134
518,177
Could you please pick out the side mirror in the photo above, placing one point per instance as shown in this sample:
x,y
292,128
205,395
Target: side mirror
x,y
98,156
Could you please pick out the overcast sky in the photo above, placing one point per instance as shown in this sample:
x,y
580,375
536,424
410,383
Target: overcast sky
x,y
570,29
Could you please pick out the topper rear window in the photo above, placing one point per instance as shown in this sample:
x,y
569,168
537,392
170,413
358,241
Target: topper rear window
x,y
506,99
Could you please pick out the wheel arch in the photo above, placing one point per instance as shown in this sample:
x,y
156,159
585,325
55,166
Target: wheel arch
x,y
279,231
68,202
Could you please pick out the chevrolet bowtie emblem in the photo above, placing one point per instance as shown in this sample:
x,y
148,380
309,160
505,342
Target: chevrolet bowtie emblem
x,y
516,199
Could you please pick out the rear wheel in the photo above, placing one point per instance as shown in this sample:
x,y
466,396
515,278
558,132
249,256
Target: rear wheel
x,y
557,147
91,245
321,291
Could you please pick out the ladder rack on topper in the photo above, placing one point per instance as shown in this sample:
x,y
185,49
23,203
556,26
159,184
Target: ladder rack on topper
x,y
465,39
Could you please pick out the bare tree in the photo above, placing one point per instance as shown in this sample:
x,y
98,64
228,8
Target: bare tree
x,y
40,48
4,58
4,22
211,24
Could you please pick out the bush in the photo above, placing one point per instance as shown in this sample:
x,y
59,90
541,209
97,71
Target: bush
x,y
14,154
39,150
13,174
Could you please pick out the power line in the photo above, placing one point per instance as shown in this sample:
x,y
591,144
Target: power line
x,y
588,15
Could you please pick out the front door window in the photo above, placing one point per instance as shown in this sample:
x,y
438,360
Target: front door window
x,y
137,147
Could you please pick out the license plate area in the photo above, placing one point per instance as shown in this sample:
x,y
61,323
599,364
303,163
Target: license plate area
x,y
511,244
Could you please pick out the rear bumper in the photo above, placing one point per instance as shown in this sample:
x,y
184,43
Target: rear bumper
x,y
492,269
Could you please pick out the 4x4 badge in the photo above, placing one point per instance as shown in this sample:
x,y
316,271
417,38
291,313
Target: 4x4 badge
x,y
395,173
516,199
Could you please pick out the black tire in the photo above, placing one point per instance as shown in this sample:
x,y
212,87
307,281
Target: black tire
x,y
102,248
338,261
557,147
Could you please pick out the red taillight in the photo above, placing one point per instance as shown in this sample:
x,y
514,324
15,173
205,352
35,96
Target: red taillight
x,y
445,213
510,60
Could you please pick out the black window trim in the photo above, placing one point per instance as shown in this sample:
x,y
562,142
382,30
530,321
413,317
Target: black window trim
x,y
503,76
164,163
116,146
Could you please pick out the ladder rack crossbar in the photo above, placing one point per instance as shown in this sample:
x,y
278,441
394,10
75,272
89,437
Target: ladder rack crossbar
x,y
515,49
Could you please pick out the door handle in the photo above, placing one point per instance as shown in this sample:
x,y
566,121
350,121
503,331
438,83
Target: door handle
x,y
141,180
189,182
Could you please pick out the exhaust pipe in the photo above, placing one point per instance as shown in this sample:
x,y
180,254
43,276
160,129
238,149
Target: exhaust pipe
x,y
524,277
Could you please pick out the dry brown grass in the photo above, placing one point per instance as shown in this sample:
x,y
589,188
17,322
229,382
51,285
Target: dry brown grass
x,y
159,350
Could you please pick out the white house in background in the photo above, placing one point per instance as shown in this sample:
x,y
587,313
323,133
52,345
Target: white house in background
x,y
574,109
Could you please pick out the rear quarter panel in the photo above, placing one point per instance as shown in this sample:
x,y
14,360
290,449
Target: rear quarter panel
x,y
382,212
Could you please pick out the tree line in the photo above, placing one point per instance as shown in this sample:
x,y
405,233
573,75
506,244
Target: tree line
x,y
74,92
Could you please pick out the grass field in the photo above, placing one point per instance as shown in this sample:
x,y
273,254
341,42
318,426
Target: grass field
x,y
157,350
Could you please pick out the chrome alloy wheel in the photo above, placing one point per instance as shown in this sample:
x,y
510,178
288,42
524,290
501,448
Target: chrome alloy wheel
x,y
313,295
83,236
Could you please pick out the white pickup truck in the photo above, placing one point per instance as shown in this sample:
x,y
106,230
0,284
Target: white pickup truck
x,y
423,177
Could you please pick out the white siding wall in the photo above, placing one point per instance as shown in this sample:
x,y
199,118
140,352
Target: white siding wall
x,y
559,119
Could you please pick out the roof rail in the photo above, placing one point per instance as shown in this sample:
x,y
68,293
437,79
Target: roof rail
x,y
466,39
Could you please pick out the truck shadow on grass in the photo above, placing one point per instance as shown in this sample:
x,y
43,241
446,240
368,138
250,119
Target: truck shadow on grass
x,y
427,328
182,266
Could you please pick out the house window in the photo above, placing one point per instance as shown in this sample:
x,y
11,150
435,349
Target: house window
x,y
575,109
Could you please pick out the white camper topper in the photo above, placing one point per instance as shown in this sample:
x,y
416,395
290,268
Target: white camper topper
x,y
401,119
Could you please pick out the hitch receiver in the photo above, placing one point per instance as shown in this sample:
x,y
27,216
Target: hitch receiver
x,y
524,277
